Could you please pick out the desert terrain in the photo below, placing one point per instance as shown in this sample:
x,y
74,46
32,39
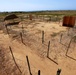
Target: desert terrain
x,y
36,50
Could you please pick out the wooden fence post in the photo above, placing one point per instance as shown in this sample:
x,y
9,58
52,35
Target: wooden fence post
x,y
42,37
58,72
61,37
28,65
6,29
48,49
39,72
14,60
48,53
22,29
69,46
21,37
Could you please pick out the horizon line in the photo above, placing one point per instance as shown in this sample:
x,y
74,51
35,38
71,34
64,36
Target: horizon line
x,y
38,10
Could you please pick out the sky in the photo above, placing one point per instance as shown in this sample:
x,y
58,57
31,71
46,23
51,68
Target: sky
x,y
36,5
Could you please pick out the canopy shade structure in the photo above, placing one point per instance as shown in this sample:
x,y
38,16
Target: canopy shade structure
x,y
12,16
14,23
69,21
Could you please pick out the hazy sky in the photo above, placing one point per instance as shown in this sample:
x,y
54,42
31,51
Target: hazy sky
x,y
33,5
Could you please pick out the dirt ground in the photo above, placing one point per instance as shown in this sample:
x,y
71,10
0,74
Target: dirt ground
x,y
36,51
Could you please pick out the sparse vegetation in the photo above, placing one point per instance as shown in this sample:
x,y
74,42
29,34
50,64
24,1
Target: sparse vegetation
x,y
54,34
32,43
74,39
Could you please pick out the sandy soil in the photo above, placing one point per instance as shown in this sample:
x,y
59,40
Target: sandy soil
x,y
36,51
